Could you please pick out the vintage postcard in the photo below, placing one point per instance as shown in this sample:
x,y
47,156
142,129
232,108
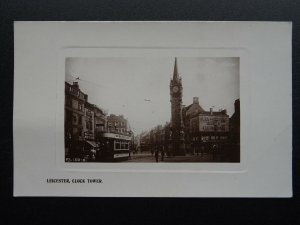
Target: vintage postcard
x,y
153,109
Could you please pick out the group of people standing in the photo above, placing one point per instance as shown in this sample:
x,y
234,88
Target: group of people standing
x,y
162,154
213,150
156,154
202,149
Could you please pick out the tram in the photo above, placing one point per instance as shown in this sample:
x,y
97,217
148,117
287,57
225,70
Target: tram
x,y
114,147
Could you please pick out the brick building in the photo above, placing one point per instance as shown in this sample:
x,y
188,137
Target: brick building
x,y
74,116
204,127
83,122
100,121
234,134
117,124
88,122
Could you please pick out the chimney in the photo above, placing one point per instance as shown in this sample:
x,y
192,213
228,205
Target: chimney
x,y
75,84
195,100
211,111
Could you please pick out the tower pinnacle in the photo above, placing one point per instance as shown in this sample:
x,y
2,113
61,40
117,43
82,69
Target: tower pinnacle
x,y
175,73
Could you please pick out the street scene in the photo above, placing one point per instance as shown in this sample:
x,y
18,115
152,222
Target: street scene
x,y
132,110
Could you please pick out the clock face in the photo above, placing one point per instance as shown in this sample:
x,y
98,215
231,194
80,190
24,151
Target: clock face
x,y
175,89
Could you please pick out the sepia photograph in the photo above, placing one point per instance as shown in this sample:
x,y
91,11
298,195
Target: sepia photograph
x,y
152,110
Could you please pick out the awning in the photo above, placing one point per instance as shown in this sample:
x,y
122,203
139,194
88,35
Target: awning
x,y
92,143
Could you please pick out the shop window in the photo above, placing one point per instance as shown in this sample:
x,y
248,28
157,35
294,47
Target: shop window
x,y
80,132
122,146
117,144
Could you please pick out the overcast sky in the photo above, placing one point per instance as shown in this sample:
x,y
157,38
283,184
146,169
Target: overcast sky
x,y
122,85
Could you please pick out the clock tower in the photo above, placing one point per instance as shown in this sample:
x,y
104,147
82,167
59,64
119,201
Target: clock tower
x,y
177,133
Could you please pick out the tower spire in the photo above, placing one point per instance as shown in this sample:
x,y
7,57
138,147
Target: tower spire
x,y
175,73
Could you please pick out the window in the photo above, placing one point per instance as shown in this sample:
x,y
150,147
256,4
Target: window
x,y
80,120
79,132
116,123
74,104
74,118
122,145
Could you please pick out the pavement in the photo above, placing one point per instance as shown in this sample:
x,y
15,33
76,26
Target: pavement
x,y
147,157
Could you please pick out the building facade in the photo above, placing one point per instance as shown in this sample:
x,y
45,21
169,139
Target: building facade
x,y
204,128
145,144
208,128
100,121
83,122
74,116
117,124
234,137
88,122
235,123
89,131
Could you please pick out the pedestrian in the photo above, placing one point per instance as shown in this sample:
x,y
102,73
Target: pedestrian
x,y
156,155
214,151
197,150
92,155
202,150
162,155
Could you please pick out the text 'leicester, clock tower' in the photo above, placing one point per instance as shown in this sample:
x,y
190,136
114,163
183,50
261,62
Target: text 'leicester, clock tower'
x,y
177,133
